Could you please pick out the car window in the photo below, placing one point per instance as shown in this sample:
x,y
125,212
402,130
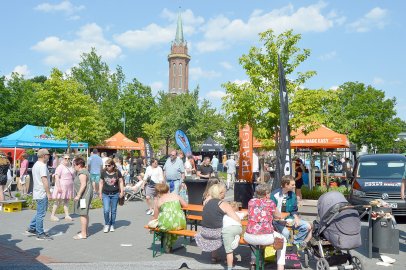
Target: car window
x,y
381,169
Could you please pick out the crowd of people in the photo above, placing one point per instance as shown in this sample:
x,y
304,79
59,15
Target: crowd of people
x,y
107,178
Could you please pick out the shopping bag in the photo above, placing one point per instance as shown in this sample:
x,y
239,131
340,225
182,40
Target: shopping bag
x,y
292,260
270,254
82,203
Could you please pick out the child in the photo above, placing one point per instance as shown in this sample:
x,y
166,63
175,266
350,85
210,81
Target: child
x,y
231,231
183,192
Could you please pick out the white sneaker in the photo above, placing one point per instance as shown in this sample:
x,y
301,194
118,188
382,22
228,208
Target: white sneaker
x,y
106,228
151,213
235,242
111,228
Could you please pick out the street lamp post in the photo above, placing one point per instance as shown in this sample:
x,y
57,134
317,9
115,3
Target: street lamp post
x,y
123,120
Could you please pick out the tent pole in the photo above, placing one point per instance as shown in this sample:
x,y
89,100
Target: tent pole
x,y
14,165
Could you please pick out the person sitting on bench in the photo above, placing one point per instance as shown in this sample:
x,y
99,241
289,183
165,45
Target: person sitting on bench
x,y
168,211
285,200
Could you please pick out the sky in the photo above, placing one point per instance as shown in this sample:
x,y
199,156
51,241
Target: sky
x,y
349,40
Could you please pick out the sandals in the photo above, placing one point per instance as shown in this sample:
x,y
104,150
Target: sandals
x,y
54,218
79,237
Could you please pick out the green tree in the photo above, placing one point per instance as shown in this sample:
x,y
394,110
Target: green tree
x,y
103,86
310,105
257,102
17,97
139,105
366,116
73,115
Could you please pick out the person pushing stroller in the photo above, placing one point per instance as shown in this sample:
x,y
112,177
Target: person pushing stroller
x,y
286,201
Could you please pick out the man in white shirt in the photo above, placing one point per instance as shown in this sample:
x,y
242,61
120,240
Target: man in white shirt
x,y
41,194
215,163
231,170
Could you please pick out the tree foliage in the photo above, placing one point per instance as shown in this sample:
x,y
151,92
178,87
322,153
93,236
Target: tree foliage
x,y
257,101
73,115
366,116
17,97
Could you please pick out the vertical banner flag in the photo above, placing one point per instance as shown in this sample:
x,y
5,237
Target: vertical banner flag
x,y
149,153
183,142
246,157
284,139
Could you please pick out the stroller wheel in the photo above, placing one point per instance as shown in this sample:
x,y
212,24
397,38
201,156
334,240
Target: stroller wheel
x,y
356,263
322,264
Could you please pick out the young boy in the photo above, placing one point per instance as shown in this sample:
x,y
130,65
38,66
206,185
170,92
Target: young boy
x,y
231,231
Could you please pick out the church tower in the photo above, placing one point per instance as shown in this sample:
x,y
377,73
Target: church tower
x,y
179,63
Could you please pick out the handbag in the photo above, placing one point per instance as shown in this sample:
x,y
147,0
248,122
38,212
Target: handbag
x,y
121,201
153,223
278,243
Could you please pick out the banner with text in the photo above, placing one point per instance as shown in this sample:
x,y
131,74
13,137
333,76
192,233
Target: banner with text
x,y
246,149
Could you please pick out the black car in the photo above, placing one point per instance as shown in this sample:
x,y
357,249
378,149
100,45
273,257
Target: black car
x,y
379,176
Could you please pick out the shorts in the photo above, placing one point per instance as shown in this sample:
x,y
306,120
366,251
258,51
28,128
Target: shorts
x,y
95,178
229,234
3,180
299,183
150,191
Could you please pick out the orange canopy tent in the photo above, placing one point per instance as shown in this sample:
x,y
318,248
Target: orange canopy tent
x,y
323,137
120,142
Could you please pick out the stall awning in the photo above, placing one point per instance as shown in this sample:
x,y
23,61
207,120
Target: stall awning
x,y
36,137
120,142
323,137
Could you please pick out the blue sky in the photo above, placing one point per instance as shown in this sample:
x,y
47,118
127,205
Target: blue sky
x,y
349,40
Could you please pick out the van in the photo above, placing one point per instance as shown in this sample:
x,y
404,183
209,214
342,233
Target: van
x,y
379,176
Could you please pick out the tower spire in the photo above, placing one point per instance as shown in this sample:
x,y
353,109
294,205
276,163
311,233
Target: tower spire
x,y
179,31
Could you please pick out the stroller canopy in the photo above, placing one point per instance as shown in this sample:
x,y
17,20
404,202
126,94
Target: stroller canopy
x,y
343,228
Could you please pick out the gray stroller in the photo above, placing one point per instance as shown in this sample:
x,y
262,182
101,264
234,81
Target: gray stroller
x,y
335,233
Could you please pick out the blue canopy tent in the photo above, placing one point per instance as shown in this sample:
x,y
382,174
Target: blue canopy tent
x,y
35,137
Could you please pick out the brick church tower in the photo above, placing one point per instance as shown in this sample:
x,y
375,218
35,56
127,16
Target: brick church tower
x,y
179,63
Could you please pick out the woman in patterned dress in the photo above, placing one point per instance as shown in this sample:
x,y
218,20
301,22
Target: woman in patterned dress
x,y
63,190
168,211
261,211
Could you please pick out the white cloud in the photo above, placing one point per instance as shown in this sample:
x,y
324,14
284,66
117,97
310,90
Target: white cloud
x,y
21,70
375,18
61,52
328,56
154,34
378,80
197,73
240,82
65,6
216,94
156,87
334,87
226,65
221,31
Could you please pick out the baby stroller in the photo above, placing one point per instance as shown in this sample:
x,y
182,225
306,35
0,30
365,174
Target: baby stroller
x,y
335,233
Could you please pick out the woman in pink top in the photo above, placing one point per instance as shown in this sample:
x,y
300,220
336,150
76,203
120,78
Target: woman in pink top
x,y
261,211
24,174
63,189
